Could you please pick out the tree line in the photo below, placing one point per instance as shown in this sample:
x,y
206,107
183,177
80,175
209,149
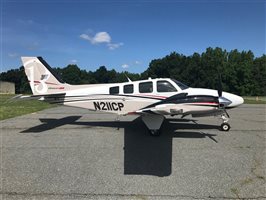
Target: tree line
x,y
242,73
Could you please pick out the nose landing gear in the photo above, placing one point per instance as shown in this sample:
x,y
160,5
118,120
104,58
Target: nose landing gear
x,y
225,126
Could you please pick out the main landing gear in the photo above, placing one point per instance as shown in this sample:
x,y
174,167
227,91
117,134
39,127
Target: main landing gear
x,y
155,132
153,123
225,125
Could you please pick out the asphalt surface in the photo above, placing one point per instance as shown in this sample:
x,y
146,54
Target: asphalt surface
x,y
68,153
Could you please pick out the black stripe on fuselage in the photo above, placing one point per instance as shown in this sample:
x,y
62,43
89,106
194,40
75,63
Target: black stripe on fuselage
x,y
183,98
207,105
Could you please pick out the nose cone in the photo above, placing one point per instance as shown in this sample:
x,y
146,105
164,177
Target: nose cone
x,y
236,100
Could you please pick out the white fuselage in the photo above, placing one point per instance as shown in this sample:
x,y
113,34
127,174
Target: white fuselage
x,y
133,97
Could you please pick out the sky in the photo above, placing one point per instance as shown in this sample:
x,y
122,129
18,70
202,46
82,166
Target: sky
x,y
126,35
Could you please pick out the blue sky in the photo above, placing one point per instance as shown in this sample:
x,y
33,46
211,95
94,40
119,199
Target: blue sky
x,y
125,35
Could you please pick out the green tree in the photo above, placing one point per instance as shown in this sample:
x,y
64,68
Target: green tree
x,y
71,74
258,76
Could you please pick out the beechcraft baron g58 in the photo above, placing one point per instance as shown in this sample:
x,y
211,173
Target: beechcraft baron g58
x,y
152,99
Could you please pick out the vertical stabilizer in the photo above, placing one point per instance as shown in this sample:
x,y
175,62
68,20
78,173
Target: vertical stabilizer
x,y
43,80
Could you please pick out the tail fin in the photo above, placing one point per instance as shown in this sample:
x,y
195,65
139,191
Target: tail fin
x,y
43,80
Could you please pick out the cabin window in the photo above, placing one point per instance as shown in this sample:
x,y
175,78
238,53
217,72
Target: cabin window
x,y
181,85
145,87
114,90
128,89
165,86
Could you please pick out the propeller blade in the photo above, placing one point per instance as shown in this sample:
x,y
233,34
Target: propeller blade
x,y
220,88
223,102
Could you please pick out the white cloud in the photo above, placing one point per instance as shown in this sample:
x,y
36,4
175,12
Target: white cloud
x,y
124,66
85,37
73,61
137,62
13,55
100,38
113,46
131,64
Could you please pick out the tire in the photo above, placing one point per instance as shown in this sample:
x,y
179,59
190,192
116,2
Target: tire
x,y
155,132
225,127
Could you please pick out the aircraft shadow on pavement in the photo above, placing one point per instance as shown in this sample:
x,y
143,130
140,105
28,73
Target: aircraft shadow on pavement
x,y
149,155
48,124
143,154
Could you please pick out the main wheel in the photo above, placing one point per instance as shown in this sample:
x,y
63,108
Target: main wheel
x,y
155,132
225,127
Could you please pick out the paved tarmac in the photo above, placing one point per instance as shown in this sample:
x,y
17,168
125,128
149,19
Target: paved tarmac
x,y
68,153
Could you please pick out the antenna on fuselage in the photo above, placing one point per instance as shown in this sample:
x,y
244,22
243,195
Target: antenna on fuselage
x,y
128,78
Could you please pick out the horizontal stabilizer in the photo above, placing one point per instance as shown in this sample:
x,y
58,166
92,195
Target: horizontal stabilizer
x,y
48,97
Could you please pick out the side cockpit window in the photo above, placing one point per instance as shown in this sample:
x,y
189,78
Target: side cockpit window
x,y
114,90
146,87
165,86
128,89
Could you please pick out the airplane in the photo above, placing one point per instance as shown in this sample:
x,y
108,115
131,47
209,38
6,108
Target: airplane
x,y
152,99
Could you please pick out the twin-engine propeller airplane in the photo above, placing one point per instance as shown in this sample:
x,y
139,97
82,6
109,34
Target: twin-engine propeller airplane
x,y
152,99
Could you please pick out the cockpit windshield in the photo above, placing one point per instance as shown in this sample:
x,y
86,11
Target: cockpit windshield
x,y
181,85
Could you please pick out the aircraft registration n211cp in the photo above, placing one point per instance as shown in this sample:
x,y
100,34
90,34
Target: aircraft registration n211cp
x,y
152,99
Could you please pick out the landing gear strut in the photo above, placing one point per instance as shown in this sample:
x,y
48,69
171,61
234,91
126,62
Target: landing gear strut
x,y
225,126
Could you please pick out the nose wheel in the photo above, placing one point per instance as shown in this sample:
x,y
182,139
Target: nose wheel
x,y
225,126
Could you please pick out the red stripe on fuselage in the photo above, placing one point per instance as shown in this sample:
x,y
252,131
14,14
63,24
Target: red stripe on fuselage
x,y
208,103
155,96
48,83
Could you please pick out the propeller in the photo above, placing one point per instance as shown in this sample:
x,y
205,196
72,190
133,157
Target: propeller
x,y
221,100
220,86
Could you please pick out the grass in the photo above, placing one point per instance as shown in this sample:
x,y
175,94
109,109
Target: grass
x,y
255,100
246,181
12,108
235,192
